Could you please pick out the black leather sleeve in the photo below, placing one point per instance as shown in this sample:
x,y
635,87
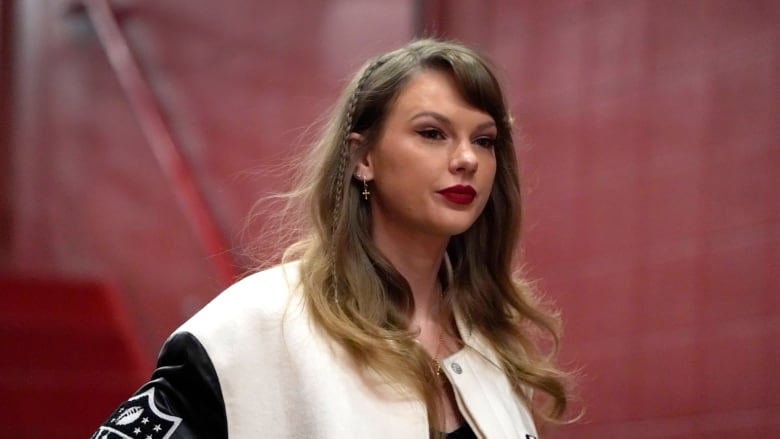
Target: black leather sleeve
x,y
183,399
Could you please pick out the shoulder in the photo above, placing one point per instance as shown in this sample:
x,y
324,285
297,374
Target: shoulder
x,y
184,374
260,299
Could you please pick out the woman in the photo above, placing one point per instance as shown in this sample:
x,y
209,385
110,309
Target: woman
x,y
399,315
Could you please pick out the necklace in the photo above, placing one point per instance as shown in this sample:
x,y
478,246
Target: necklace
x,y
436,363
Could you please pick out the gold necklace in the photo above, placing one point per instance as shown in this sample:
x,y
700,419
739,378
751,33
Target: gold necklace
x,y
436,363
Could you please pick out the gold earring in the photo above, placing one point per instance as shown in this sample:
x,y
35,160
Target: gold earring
x,y
365,192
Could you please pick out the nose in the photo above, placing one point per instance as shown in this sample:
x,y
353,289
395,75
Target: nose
x,y
464,158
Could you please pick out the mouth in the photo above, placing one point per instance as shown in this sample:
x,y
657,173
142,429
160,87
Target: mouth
x,y
459,194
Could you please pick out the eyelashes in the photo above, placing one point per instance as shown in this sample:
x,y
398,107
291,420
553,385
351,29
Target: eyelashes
x,y
486,142
436,134
431,134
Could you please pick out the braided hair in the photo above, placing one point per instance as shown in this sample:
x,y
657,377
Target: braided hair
x,y
344,158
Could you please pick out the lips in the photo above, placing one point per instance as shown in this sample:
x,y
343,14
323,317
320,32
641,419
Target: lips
x,y
459,194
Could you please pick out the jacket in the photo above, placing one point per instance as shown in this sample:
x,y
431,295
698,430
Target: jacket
x,y
250,364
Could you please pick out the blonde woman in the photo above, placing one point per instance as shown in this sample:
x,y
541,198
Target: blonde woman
x,y
397,315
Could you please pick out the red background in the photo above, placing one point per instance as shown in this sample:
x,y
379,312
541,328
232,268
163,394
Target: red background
x,y
651,157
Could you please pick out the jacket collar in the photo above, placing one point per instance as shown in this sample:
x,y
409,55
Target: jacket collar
x,y
471,338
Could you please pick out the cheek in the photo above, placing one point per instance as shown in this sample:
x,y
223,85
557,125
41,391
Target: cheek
x,y
489,169
391,174
406,169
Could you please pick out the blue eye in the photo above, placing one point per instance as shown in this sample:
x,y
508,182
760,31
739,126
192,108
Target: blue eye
x,y
486,142
431,134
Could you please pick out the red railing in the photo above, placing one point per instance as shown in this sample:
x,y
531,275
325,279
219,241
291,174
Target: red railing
x,y
146,109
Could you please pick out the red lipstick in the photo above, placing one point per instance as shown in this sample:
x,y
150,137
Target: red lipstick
x,y
459,194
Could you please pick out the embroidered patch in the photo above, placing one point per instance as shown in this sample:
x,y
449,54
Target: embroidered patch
x,y
138,418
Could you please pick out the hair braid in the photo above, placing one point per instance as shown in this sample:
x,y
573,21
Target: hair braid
x,y
338,183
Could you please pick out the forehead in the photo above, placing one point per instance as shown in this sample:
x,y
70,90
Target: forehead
x,y
429,86
434,90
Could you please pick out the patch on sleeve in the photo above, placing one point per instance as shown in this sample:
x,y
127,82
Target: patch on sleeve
x,y
138,418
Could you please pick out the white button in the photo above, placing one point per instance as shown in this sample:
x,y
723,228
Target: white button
x,y
456,368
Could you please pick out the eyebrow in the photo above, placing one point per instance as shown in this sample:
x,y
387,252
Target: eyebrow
x,y
445,120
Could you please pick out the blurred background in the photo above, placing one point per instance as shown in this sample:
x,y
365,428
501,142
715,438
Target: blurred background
x,y
136,135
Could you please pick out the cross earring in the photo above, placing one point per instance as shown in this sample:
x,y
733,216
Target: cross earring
x,y
365,192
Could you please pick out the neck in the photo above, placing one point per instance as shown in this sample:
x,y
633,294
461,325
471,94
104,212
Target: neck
x,y
418,260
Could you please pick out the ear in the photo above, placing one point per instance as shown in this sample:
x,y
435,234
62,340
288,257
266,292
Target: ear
x,y
363,168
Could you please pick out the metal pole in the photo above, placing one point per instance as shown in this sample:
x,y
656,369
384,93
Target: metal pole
x,y
168,153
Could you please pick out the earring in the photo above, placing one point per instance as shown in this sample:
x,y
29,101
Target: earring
x,y
365,192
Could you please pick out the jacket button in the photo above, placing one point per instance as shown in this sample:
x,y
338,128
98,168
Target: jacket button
x,y
456,368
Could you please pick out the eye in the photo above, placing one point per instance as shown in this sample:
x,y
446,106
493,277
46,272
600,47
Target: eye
x,y
486,142
431,134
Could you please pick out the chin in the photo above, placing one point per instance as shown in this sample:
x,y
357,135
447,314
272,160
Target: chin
x,y
451,224
457,229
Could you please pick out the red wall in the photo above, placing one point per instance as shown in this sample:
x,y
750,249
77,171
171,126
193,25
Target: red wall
x,y
653,164
651,158
238,85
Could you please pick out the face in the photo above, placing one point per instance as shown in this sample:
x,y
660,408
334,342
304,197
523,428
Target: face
x,y
432,169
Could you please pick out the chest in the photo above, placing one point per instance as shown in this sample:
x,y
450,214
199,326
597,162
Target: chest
x,y
304,387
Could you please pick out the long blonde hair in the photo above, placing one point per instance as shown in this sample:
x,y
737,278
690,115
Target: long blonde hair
x,y
358,298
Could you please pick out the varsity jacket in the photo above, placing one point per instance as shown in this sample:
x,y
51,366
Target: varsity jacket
x,y
250,364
